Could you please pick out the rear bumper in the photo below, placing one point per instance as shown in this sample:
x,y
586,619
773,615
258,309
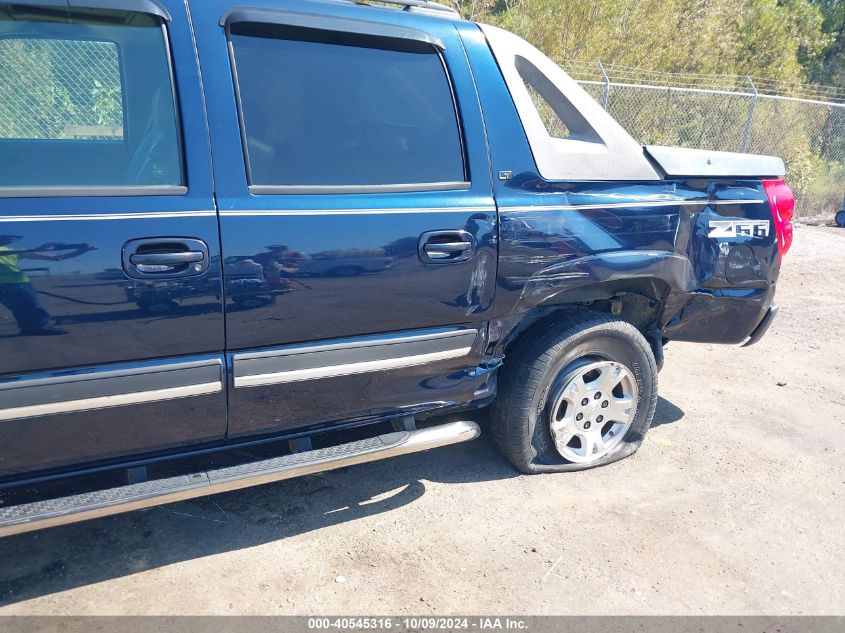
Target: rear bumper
x,y
727,316
763,326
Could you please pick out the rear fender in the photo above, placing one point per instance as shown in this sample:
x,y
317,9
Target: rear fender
x,y
655,274
557,283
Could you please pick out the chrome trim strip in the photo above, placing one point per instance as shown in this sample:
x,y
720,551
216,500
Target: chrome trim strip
x,y
485,209
44,514
152,215
714,202
27,396
386,211
348,369
18,383
103,402
345,357
626,205
307,348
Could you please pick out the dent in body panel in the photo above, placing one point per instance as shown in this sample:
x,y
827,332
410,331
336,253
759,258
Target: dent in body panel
x,y
541,248
590,234
736,275
597,233
718,316
735,201
544,286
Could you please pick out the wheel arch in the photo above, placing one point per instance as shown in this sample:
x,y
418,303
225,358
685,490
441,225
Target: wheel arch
x,y
632,285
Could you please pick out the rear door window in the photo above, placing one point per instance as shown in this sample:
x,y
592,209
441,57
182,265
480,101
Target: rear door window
x,y
332,109
86,99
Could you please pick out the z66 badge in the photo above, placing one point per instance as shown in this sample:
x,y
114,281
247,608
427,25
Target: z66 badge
x,y
739,228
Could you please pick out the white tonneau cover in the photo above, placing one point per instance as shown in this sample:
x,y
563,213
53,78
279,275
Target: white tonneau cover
x,y
680,161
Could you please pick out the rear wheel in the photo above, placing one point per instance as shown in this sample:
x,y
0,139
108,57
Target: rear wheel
x,y
579,391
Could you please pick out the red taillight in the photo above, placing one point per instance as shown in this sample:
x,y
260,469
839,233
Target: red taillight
x,y
782,202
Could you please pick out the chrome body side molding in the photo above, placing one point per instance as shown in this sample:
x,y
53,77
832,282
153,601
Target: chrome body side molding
x,y
89,217
350,356
351,211
84,391
626,205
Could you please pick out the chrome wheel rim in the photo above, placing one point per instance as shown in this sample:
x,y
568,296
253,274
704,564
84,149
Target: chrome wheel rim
x,y
593,411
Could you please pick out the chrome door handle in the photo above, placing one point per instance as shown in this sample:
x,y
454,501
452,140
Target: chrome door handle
x,y
446,246
165,257
445,249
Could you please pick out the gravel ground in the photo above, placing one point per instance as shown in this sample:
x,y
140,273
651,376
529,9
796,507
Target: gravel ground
x,y
734,505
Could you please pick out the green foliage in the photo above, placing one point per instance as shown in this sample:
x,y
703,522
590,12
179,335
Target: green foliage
x,y
818,183
46,109
829,67
791,41
106,103
766,38
51,89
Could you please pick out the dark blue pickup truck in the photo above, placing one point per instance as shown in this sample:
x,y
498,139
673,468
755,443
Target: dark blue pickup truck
x,y
247,240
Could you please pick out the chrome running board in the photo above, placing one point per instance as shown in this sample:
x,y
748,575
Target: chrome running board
x,y
27,517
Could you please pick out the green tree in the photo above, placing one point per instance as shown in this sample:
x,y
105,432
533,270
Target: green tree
x,y
765,38
829,67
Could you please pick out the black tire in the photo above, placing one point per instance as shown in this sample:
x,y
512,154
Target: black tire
x,y
548,352
840,218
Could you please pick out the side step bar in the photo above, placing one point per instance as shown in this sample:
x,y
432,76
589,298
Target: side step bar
x,y
42,514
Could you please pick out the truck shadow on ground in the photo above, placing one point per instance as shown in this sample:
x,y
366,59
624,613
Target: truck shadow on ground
x,y
666,413
66,557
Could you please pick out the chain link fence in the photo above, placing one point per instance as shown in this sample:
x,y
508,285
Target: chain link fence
x,y
735,114
60,89
73,90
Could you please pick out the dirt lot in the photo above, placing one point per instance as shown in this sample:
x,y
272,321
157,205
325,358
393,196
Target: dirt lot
x,y
733,505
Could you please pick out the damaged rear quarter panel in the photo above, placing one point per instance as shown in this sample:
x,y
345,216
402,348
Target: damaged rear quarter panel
x,y
562,237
